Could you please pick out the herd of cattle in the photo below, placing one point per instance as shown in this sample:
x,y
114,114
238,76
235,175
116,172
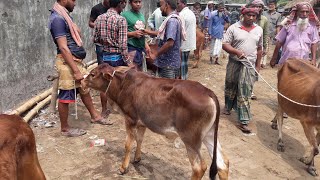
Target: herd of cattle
x,y
173,108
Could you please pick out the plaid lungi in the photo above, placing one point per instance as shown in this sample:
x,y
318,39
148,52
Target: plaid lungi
x,y
238,87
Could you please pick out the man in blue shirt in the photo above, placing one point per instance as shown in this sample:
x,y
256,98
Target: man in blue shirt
x,y
70,53
168,56
216,27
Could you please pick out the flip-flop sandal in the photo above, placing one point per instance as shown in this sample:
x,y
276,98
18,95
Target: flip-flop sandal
x,y
106,114
244,128
102,121
73,132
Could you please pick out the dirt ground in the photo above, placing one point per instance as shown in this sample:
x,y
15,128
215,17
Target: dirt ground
x,y
253,156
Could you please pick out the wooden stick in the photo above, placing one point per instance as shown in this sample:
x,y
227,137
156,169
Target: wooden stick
x,y
35,110
91,62
92,67
54,96
30,103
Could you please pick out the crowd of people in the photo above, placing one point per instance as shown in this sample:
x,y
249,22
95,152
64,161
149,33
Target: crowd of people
x,y
120,39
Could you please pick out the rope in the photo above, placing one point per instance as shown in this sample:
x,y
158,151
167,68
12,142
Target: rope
x,y
110,82
273,89
75,102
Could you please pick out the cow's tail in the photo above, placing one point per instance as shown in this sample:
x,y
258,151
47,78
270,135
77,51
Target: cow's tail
x,y
219,162
214,168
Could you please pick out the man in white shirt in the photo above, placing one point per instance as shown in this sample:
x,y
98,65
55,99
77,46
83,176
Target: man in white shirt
x,y
190,44
156,19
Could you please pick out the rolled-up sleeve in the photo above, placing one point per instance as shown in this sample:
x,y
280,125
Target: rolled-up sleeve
x,y
281,37
228,37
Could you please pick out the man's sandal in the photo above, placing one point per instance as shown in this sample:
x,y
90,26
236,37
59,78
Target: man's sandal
x,y
102,121
73,132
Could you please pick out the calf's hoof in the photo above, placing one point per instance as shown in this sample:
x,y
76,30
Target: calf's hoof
x,y
312,170
137,160
274,125
280,146
306,160
122,170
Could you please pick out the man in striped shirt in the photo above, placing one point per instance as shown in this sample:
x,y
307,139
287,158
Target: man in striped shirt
x,y
111,31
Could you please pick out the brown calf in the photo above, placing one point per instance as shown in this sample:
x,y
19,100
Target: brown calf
x,y
168,107
200,43
300,82
18,156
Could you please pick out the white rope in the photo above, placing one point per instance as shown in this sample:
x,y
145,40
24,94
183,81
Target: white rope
x,y
75,102
273,89
110,82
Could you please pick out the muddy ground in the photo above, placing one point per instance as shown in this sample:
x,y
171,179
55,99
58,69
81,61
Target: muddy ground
x,y
253,156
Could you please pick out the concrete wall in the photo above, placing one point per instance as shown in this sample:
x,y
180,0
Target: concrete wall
x,y
27,50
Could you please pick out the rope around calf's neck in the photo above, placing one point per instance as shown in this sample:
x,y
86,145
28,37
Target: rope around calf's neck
x,y
110,82
274,89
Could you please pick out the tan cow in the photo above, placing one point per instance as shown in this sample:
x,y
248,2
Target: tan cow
x,y
200,43
18,156
300,82
169,107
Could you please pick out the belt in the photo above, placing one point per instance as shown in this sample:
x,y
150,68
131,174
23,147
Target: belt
x,y
111,57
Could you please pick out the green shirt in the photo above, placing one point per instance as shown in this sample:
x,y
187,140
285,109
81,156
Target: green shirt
x,y
132,18
264,24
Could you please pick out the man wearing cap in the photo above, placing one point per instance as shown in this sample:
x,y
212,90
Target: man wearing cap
x,y
216,27
263,22
299,35
243,41
205,23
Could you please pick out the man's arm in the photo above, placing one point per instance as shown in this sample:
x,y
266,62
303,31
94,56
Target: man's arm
x,y
231,50
275,53
150,32
91,23
166,47
92,18
123,40
265,38
67,56
259,56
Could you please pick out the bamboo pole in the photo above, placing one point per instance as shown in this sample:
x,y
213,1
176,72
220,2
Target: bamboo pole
x,y
27,105
35,110
54,93
92,66
91,62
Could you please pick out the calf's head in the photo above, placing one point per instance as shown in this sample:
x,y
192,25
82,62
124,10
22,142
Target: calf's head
x,y
100,77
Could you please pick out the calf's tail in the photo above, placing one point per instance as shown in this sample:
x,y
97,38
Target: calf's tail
x,y
214,168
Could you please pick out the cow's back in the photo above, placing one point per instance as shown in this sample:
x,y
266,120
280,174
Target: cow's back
x,y
18,156
159,101
298,81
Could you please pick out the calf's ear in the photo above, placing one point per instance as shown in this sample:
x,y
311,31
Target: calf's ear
x,y
107,75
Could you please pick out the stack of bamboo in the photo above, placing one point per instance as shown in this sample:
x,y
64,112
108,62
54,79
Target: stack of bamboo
x,y
36,103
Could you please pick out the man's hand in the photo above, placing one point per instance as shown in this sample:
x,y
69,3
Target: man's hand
x,y
313,62
273,62
240,55
77,76
138,34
